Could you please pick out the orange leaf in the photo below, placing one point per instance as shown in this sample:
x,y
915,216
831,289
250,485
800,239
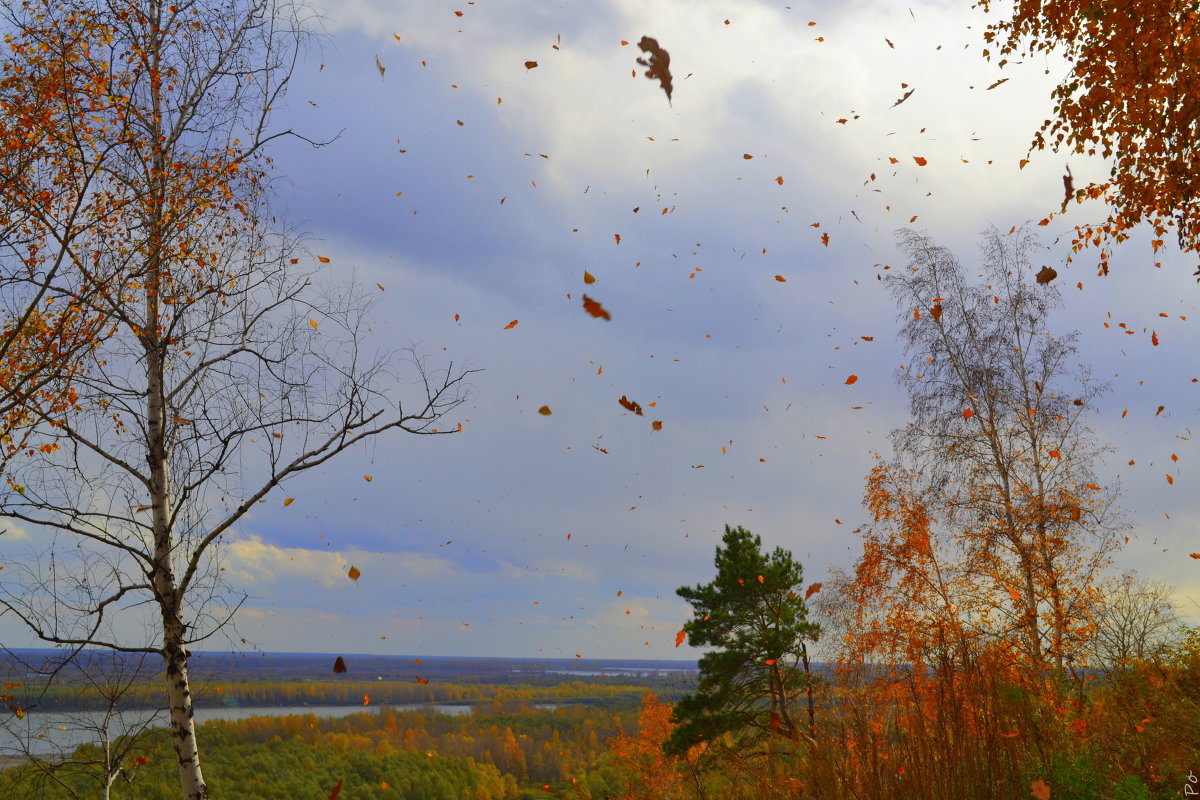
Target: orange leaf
x,y
1170,479
1046,274
747,156
1194,555
1154,338
811,590
544,411
1040,790
530,64
420,679
968,413
779,180
825,239
287,501
1055,454
595,309
511,325
617,236
630,405
852,379
770,662
1016,597
656,425
323,259
354,573
921,161
679,637
760,579
781,279
588,277
366,700
313,322
368,478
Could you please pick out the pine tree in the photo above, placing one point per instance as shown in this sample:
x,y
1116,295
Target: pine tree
x,y
754,616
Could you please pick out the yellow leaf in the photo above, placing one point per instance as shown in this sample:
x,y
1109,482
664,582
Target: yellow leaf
x,y
287,501
312,322
368,478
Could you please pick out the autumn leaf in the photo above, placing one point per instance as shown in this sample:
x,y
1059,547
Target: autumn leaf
x,y
588,277
313,323
812,589
368,478
1055,454
825,239
544,411
530,65
354,573
1170,480
747,156
511,325
656,425
595,309
1040,790
659,64
921,160
907,95
631,405
936,312
339,665
679,637
420,679
1046,274
779,180
1154,338
968,413
770,662
287,501
379,66
851,380
997,83
336,790
1194,555
366,700
617,237
323,259
781,279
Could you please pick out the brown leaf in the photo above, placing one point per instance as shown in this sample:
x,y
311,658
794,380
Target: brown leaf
x,y
936,312
530,65
1046,274
595,309
656,425
811,590
631,405
997,83
544,411
907,95
379,66
354,573
588,277
1068,187
336,790
339,665
659,64
851,380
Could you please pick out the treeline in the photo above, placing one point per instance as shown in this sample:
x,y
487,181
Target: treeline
x,y
377,754
343,692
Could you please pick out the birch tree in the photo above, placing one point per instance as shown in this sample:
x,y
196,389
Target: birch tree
x,y
218,367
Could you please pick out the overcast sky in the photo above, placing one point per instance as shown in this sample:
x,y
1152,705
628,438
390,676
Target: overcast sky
x,y
477,192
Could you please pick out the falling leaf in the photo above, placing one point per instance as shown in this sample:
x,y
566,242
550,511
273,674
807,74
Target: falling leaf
x,y
354,573
1170,480
921,160
1046,274
312,322
287,501
1194,555
1154,338
936,312
595,309
1068,187
779,180
825,239
812,589
851,380
781,279
656,425
530,65
907,95
968,413
617,236
1055,454
747,156
420,679
544,411
336,790
588,277
997,83
366,700
339,665
630,405
1040,790
323,259
679,637
770,662
511,325
659,64
379,66
368,478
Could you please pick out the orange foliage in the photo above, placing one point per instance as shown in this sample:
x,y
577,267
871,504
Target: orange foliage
x,y
1133,111
655,776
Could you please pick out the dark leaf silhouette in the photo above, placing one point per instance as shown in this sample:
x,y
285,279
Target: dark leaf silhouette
x,y
630,405
659,64
907,95
339,665
1046,274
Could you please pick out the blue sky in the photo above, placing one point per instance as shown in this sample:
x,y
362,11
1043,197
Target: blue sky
x,y
520,537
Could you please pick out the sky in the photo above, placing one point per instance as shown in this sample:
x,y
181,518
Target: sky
x,y
477,191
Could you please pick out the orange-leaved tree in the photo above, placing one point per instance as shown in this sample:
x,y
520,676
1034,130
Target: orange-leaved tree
x,y
218,369
1129,96
991,523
